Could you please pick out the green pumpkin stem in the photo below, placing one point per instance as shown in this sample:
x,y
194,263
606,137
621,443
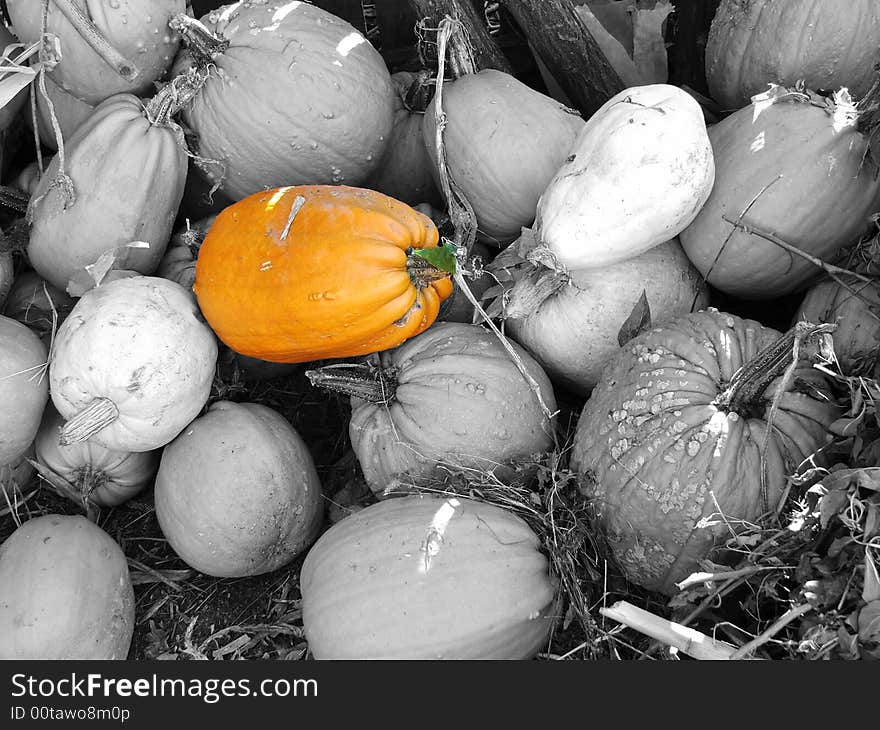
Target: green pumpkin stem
x,y
203,45
97,415
359,380
745,391
426,265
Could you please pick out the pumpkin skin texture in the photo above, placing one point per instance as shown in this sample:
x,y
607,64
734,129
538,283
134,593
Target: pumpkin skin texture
x,y
237,493
107,478
299,97
70,112
427,578
657,452
802,175
504,141
638,173
15,477
857,337
7,275
34,302
459,400
24,388
65,592
338,285
113,206
138,29
824,43
574,332
138,342
405,172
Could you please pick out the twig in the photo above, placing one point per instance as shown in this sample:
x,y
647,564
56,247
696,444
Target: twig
x,y
687,640
774,629
832,270
697,578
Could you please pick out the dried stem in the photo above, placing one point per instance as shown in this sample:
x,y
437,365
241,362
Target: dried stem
x,y
747,649
97,415
93,36
359,380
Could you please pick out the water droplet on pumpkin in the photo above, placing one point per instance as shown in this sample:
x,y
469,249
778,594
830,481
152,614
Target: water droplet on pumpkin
x,y
328,115
113,4
313,145
148,19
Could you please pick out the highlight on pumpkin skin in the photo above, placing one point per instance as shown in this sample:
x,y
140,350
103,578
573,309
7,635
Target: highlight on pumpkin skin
x,y
332,271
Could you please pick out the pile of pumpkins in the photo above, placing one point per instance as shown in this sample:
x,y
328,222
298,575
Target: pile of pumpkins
x,y
322,244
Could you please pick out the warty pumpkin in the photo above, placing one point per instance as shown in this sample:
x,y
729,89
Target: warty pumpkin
x,y
237,493
24,388
305,273
503,142
422,577
855,307
110,205
105,477
65,592
132,364
576,329
638,173
451,397
825,44
404,172
796,166
691,434
293,95
137,29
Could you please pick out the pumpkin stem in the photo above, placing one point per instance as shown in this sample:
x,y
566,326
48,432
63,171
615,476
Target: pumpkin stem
x,y
98,414
745,391
172,97
92,35
366,381
203,45
430,264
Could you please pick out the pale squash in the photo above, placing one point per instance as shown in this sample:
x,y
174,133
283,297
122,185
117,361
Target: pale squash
x,y
504,142
110,206
451,397
102,476
137,29
638,173
793,165
428,578
825,44
65,592
132,364
575,330
237,492
293,95
24,388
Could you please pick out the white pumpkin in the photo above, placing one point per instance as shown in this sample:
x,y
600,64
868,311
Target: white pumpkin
x,y
132,364
638,174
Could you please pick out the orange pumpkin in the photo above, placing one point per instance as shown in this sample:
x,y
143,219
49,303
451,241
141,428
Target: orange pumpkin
x,y
305,273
